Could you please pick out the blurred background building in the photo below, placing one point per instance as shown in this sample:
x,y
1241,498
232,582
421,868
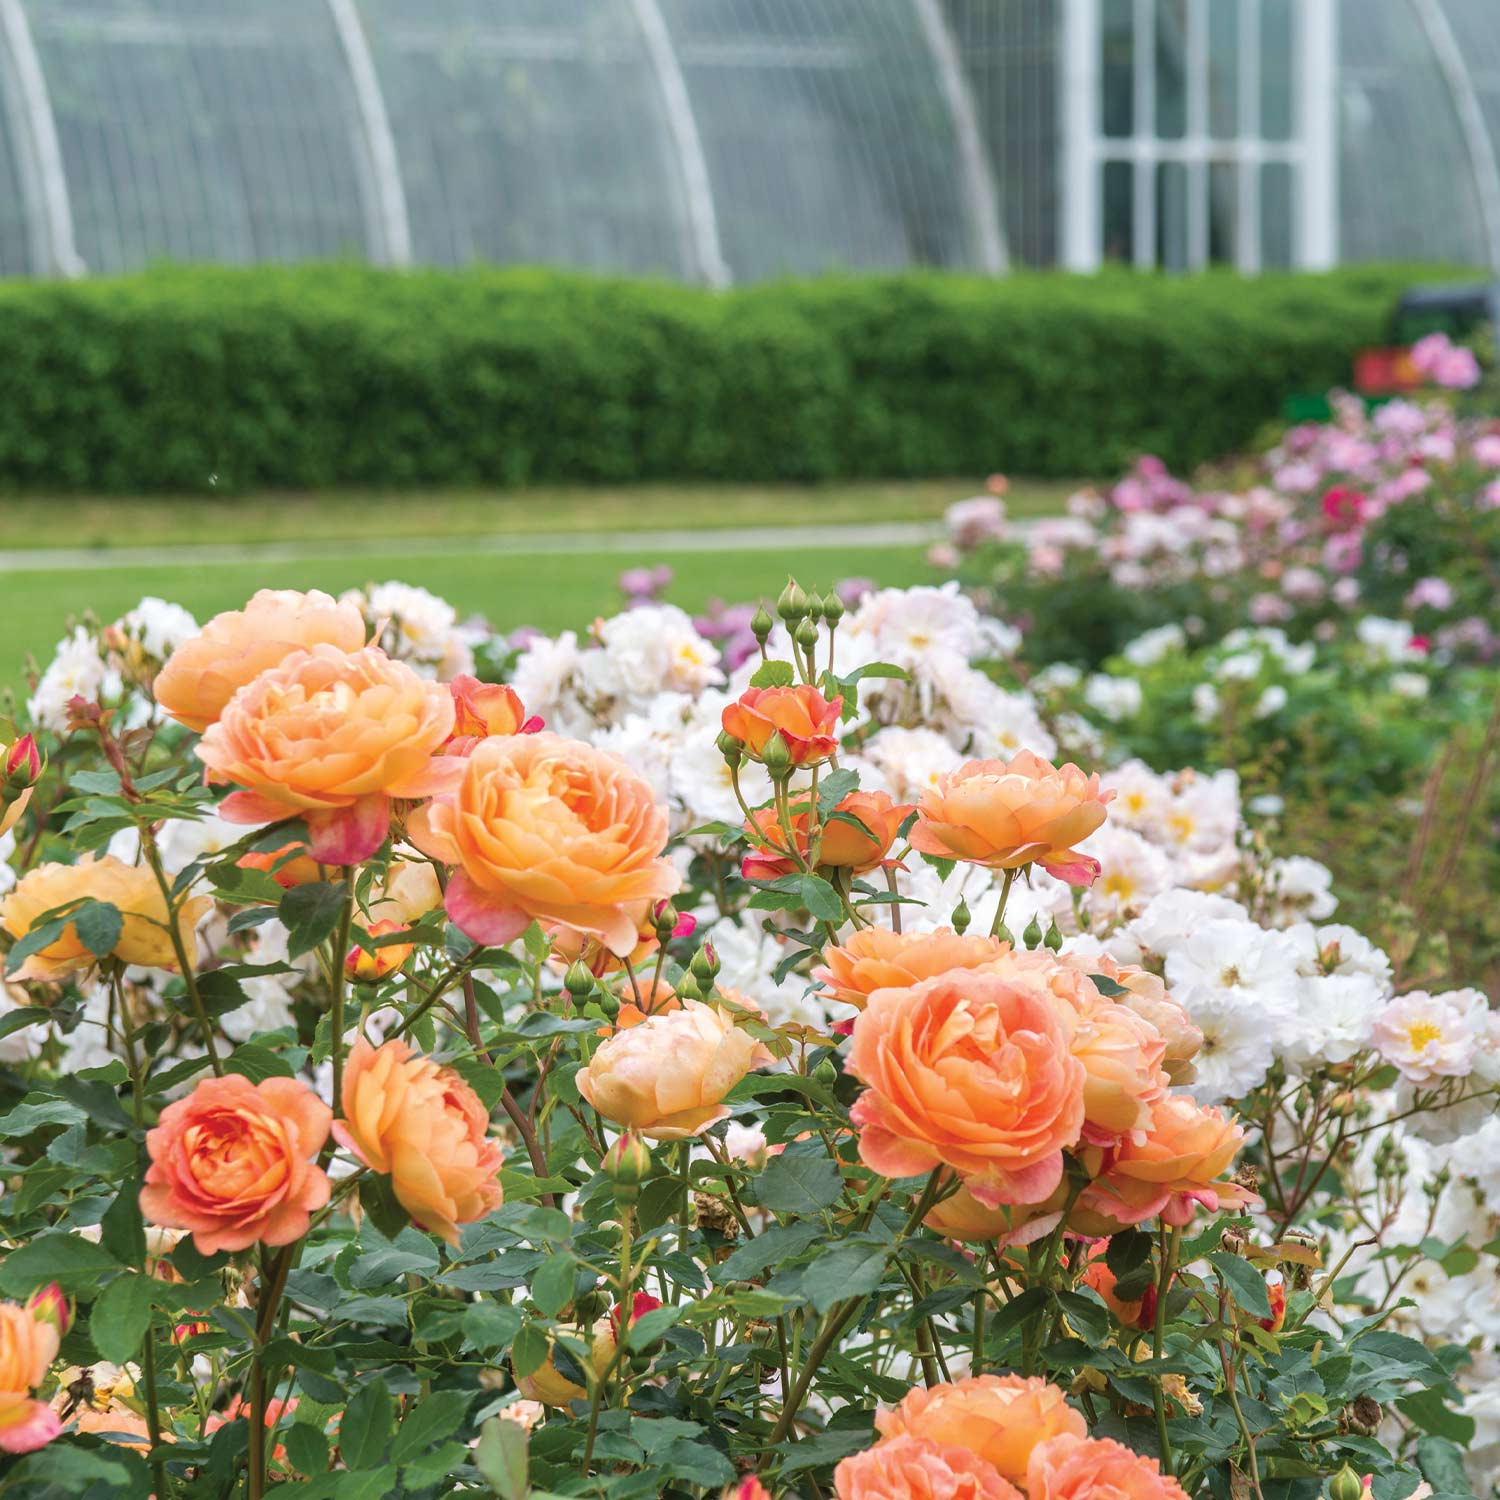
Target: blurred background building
x,y
722,141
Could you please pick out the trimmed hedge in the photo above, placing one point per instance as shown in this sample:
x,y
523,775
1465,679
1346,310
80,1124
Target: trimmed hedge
x,y
179,379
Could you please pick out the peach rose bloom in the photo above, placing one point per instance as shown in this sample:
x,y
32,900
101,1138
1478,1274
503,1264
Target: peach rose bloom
x,y
1085,1468
331,736
1009,814
1146,994
424,1127
1174,1170
854,848
666,1077
807,722
29,1339
234,648
876,958
546,828
963,1217
916,1468
971,1072
144,939
481,709
1124,1081
233,1163
999,1418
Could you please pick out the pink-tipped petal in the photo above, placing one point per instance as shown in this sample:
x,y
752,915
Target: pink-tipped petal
x,y
251,807
37,1424
481,916
1081,869
347,835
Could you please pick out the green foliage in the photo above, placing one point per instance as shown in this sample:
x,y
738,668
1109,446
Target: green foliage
x,y
212,379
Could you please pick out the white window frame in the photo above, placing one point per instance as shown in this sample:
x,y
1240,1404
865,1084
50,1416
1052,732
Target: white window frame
x,y
1311,152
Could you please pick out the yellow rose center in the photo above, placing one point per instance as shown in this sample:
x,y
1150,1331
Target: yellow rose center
x,y
1422,1033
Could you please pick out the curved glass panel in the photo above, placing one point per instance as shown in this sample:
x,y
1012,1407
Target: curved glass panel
x,y
828,138
202,129
1406,187
16,243
530,130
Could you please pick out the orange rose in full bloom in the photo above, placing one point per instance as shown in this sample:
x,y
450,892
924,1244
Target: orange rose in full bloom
x,y
806,721
1000,1418
544,827
423,1126
1084,1468
916,1468
667,1076
1009,814
971,1072
331,736
481,709
29,1339
234,648
233,1163
1173,1170
132,890
862,848
876,958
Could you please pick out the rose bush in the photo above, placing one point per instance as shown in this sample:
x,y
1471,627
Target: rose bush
x,y
820,1072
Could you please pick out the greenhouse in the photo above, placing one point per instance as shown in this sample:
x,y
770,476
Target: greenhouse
x,y
721,141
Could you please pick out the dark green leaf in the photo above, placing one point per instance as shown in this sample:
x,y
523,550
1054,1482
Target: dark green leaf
x,y
311,915
847,1270
428,1423
1442,1466
528,1352
307,1448
1107,986
490,1326
1246,1285
552,1286
98,925
120,1317
257,1063
501,1457
773,674
799,1184
75,1263
367,1424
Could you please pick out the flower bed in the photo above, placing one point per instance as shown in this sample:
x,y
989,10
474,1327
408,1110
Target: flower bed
x,y
664,1075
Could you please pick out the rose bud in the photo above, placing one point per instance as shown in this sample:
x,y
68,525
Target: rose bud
x,y
376,963
627,1164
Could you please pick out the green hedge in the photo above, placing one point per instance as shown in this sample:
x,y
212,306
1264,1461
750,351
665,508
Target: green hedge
x,y
182,379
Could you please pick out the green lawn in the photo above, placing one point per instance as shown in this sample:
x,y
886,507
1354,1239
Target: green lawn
x,y
551,592
94,521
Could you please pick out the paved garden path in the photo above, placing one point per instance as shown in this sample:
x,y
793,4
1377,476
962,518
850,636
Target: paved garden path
x,y
513,544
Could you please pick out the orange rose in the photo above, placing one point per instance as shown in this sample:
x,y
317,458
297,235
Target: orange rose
x,y
1138,1312
131,889
972,1072
667,1076
1175,1168
233,1163
29,1339
771,851
961,1216
1146,994
1006,815
285,865
332,736
544,827
368,965
548,1385
1122,1060
424,1127
862,848
1084,1468
999,1418
481,709
916,1468
875,958
234,648
806,721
